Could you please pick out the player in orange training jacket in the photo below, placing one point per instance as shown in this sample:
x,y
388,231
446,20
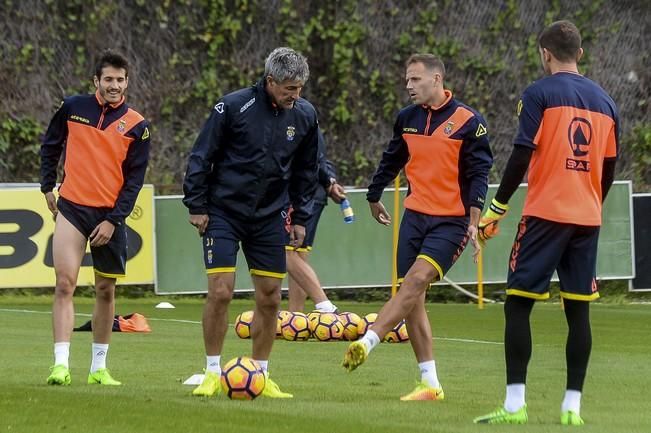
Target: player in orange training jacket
x,y
106,149
443,146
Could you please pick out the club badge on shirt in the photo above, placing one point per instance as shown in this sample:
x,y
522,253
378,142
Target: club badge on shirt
x,y
291,132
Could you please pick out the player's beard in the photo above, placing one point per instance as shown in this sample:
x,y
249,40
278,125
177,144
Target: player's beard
x,y
111,97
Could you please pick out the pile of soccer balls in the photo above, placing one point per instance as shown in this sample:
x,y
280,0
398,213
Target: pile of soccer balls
x,y
296,326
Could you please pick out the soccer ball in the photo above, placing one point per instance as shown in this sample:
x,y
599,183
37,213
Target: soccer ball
x,y
313,318
243,379
327,327
398,334
243,324
281,315
350,322
366,323
295,327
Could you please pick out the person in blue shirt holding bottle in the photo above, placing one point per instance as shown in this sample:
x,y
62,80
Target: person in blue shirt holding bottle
x,y
302,279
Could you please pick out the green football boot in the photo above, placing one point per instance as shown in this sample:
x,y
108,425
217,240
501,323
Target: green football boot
x,y
272,390
59,375
502,416
571,418
102,377
355,355
210,386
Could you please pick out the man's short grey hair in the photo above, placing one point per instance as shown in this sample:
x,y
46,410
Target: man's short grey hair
x,y
286,64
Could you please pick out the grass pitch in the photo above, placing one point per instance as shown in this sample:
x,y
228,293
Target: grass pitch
x,y
469,357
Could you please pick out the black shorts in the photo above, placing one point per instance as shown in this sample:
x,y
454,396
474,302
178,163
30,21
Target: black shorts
x,y
542,247
263,244
438,240
310,228
109,260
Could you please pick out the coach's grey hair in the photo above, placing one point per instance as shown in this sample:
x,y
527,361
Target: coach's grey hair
x,y
286,64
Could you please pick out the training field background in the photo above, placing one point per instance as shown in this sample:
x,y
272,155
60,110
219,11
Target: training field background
x,y
468,350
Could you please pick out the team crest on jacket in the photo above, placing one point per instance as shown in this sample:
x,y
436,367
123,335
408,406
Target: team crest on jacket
x,y
291,132
448,128
122,125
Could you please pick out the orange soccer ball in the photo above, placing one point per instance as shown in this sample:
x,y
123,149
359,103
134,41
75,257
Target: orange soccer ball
x,y
351,322
243,323
242,379
295,327
398,334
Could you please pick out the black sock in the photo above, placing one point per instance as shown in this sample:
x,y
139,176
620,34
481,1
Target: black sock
x,y
579,342
517,337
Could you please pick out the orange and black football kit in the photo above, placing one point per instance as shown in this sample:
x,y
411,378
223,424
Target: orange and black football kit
x,y
447,157
105,150
568,141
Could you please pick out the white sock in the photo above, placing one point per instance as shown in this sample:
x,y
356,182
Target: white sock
x,y
100,351
428,373
514,397
62,353
264,365
212,364
572,401
326,307
370,340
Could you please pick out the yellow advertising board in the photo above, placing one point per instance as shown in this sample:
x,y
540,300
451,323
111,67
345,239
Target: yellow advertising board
x,y
26,228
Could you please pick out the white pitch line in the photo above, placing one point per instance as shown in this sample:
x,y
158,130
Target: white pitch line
x,y
467,340
12,310
195,322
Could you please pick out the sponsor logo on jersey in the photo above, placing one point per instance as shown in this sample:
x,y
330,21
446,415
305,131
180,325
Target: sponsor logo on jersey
x,y
79,119
247,105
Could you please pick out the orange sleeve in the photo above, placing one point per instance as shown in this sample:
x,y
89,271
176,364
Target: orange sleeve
x,y
612,143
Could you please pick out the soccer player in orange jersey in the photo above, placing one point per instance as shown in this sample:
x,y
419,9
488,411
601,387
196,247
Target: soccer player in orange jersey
x,y
443,146
567,139
106,149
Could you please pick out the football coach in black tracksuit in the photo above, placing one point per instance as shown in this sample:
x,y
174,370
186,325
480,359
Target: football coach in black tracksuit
x,y
257,151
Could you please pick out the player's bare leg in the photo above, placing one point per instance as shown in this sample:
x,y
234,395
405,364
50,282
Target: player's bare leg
x,y
296,295
420,331
411,292
263,330
302,277
102,328
68,247
215,311
215,325
267,302
420,337
104,309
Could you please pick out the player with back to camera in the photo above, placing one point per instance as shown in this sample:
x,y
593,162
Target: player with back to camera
x,y
567,139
